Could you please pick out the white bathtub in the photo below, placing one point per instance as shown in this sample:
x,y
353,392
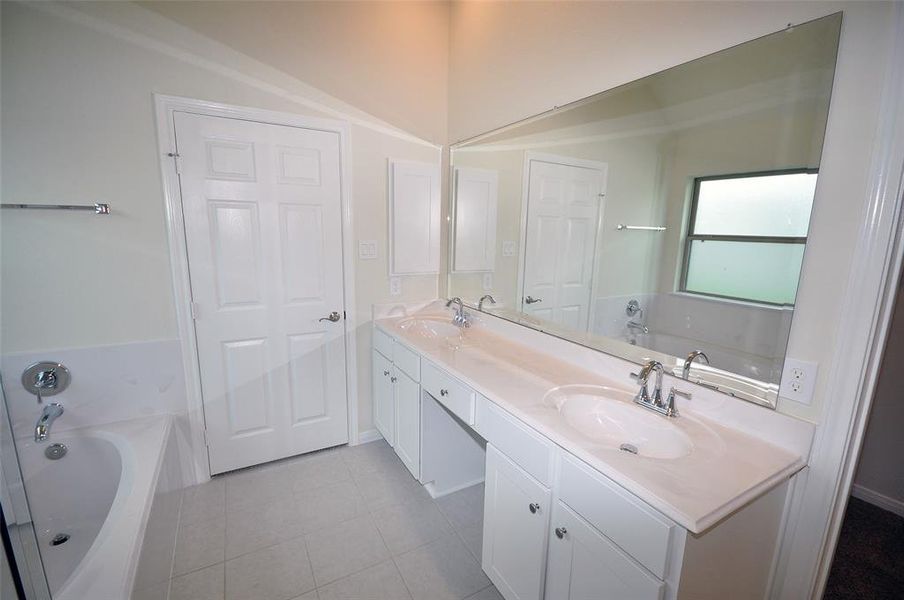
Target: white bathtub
x,y
102,494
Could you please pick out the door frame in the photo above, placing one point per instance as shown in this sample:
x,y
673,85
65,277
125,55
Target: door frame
x,y
525,196
165,108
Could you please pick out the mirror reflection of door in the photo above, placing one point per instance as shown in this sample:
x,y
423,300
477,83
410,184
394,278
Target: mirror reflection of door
x,y
564,198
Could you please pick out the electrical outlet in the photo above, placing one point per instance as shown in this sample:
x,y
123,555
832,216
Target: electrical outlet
x,y
488,282
395,286
798,380
367,249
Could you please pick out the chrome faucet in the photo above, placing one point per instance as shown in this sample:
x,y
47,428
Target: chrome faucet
x,y
655,402
461,318
50,414
686,371
633,325
483,299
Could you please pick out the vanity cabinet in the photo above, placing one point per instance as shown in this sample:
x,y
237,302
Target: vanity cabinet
x,y
408,415
585,564
516,519
397,399
384,402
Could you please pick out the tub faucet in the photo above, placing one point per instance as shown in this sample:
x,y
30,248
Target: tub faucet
x,y
48,416
461,318
686,371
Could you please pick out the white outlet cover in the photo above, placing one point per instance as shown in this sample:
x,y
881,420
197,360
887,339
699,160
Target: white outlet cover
x,y
488,282
509,248
395,286
798,380
367,249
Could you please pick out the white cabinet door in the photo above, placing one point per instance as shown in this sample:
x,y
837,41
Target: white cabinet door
x,y
476,202
516,516
408,421
414,217
263,228
585,565
384,403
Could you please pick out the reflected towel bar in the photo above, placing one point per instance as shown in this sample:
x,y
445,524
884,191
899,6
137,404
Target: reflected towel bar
x,y
98,209
622,226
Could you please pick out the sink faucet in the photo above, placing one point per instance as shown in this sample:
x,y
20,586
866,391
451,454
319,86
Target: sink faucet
x,y
484,298
655,402
461,318
48,416
690,359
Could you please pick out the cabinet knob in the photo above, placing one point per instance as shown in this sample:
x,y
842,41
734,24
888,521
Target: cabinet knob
x,y
386,373
392,379
534,507
560,532
444,392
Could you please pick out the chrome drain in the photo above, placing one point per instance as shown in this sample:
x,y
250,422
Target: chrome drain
x,y
56,452
631,448
60,538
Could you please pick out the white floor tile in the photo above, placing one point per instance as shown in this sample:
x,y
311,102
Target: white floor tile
x,y
407,526
200,544
380,582
473,539
344,549
490,593
274,521
441,570
463,508
279,572
203,502
206,584
325,506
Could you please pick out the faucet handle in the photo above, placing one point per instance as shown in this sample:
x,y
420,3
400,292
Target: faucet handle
x,y
675,392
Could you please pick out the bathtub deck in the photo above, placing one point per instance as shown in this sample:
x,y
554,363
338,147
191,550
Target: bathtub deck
x,y
342,523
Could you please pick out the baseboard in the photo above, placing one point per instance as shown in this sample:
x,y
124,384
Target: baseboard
x,y
371,435
876,499
435,493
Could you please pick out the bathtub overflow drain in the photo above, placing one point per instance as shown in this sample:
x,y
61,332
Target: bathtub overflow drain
x,y
56,452
60,538
628,448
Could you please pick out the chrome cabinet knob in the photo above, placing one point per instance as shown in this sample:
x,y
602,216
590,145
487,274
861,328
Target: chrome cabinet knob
x,y
444,392
534,507
532,300
333,317
386,373
560,532
393,379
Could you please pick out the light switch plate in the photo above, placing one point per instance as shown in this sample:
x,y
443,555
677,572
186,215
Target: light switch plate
x,y
395,286
509,248
798,380
488,282
367,249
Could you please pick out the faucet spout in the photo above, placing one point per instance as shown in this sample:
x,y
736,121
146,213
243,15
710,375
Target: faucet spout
x,y
50,414
483,299
461,318
686,371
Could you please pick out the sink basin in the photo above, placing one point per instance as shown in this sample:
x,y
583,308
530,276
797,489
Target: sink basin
x,y
609,417
433,329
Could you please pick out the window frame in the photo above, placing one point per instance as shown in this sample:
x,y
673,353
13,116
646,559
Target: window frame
x,y
690,236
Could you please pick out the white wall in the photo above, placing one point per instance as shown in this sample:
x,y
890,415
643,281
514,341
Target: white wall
x,y
504,56
881,466
77,84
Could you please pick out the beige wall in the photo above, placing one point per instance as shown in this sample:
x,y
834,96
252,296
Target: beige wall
x,y
387,58
78,126
881,467
510,60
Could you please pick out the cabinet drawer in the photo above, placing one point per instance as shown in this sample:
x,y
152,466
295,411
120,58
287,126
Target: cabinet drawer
x,y
527,448
626,520
407,361
448,391
383,343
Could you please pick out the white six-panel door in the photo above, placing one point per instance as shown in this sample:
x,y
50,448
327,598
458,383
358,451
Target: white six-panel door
x,y
563,205
263,227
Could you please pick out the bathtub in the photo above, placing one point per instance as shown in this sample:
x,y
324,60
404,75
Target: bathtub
x,y
113,480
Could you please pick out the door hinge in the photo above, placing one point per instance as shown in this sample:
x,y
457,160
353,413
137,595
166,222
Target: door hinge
x,y
195,310
176,161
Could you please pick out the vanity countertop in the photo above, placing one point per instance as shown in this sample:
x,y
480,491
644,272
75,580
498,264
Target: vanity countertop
x,y
726,469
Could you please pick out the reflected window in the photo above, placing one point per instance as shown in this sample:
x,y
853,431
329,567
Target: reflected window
x,y
746,235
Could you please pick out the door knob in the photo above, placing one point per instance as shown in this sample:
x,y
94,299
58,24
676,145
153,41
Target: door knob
x,y
560,532
534,507
334,316
531,300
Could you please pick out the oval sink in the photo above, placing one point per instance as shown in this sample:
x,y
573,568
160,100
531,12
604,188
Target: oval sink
x,y
433,329
609,417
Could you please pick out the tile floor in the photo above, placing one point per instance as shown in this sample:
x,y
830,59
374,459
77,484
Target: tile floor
x,y
341,524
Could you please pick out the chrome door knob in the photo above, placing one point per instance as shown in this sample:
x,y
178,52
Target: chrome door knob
x,y
560,532
532,300
333,317
534,507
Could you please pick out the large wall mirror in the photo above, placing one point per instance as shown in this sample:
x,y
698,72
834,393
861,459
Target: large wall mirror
x,y
666,216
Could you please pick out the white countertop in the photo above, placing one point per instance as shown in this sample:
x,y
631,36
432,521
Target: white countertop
x,y
726,469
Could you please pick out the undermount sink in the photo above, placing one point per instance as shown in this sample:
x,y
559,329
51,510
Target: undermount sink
x,y
608,416
433,329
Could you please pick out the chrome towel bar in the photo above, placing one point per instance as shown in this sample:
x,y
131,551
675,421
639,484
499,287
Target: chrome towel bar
x,y
98,209
622,226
